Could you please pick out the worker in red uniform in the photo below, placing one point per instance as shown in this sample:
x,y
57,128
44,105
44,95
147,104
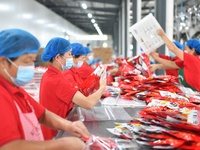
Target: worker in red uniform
x,y
21,115
173,72
56,92
78,54
188,62
86,70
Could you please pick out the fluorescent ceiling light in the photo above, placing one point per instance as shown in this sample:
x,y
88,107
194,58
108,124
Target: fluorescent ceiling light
x,y
91,37
4,7
27,16
84,6
50,25
105,44
95,25
89,15
99,31
93,21
40,21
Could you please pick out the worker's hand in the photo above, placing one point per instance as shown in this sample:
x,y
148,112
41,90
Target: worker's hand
x,y
103,80
114,71
160,32
78,129
153,67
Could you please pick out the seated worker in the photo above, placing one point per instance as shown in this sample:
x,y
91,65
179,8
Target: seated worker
x,y
173,72
188,62
86,70
78,54
56,93
21,115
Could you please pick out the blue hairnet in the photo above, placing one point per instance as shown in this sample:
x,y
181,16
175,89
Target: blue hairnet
x,y
179,45
16,42
194,43
78,49
54,47
87,50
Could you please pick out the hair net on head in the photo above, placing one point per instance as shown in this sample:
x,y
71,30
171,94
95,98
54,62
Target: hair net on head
x,y
16,42
87,50
54,47
78,49
194,43
179,45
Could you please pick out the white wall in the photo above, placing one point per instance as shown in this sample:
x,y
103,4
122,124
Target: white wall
x,y
35,18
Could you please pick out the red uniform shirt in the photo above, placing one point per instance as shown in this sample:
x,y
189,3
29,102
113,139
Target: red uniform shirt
x,y
56,95
172,72
84,71
73,77
191,68
11,127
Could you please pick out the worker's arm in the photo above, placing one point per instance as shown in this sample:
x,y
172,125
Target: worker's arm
x,y
69,143
168,64
170,45
54,121
91,100
154,67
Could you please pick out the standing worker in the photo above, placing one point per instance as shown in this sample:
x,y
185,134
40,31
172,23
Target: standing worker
x,y
56,92
188,62
168,71
21,115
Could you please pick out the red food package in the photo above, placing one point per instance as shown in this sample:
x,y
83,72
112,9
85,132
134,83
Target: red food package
x,y
100,143
91,84
185,135
127,69
173,142
109,79
190,146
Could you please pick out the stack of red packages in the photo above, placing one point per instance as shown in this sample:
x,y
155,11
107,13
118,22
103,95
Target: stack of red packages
x,y
142,63
91,84
164,125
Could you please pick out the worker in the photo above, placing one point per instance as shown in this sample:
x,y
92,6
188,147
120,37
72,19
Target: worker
x,y
86,70
78,54
173,57
188,62
21,115
56,92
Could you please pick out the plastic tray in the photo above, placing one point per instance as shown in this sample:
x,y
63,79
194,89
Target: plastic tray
x,y
145,33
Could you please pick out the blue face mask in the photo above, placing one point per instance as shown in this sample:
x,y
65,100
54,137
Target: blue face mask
x,y
80,63
68,65
24,74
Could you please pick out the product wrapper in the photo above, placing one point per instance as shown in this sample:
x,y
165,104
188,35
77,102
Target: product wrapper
x,y
104,143
142,63
91,84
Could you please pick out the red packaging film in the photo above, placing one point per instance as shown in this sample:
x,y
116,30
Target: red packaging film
x,y
91,84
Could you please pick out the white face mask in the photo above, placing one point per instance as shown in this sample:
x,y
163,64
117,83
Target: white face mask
x,y
78,65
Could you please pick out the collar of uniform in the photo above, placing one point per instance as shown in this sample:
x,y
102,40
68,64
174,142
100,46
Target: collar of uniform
x,y
12,89
73,70
53,69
